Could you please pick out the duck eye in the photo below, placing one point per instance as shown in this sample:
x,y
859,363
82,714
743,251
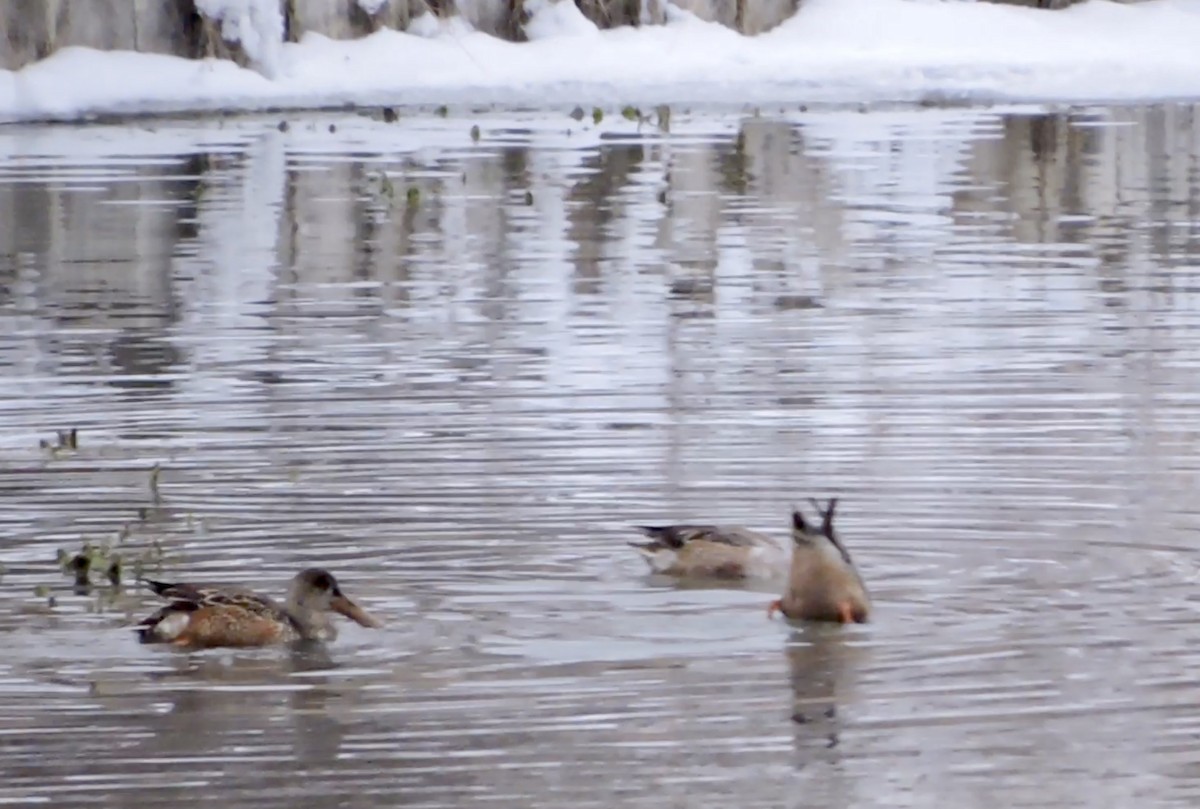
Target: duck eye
x,y
323,582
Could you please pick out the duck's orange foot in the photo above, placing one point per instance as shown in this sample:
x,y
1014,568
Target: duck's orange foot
x,y
846,612
774,607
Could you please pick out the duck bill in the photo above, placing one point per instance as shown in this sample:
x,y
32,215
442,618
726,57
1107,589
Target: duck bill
x,y
344,606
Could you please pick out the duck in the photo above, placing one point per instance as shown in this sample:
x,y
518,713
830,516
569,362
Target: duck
x,y
711,551
822,583
204,616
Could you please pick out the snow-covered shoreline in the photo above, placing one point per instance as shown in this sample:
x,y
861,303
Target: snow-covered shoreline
x,y
833,51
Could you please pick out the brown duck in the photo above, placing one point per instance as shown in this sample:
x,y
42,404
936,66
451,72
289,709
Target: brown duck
x,y
203,616
712,551
822,584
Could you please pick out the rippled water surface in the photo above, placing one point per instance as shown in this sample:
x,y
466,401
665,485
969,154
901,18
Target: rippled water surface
x,y
454,370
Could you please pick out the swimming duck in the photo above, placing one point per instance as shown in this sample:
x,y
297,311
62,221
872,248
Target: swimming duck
x,y
711,551
822,584
203,616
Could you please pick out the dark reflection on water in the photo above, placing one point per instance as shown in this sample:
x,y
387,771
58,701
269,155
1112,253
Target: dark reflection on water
x,y
454,372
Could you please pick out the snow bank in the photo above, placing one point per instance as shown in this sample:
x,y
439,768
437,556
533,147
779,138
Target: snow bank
x,y
256,25
553,18
832,51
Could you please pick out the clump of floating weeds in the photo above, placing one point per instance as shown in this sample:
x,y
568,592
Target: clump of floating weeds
x,y
597,115
412,197
100,567
65,441
79,565
475,133
386,189
43,591
107,559
661,117
380,187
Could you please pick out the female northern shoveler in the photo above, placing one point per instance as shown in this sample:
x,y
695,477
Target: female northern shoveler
x,y
823,584
204,616
712,551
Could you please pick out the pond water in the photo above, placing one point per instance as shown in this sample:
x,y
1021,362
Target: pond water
x,y
454,365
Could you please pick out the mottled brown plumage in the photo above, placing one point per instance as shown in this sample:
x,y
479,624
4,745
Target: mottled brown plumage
x,y
208,615
823,584
712,551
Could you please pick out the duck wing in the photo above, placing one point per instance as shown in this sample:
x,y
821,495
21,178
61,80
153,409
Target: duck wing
x,y
228,609
675,537
190,597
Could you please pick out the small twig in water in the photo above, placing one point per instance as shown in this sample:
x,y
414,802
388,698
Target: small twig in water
x,y
155,473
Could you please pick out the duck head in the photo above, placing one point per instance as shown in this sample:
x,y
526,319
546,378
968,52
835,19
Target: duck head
x,y
315,591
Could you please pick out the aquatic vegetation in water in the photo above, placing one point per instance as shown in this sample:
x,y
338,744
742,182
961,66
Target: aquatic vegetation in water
x,y
153,556
106,559
663,115
43,591
155,475
81,565
64,440
386,189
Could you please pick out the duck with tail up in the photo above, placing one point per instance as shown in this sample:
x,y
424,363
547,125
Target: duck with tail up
x,y
823,583
203,616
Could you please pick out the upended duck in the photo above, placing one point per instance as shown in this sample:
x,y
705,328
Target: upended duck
x,y
200,616
822,581
711,551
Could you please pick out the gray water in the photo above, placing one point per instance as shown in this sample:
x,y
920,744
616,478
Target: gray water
x,y
979,328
